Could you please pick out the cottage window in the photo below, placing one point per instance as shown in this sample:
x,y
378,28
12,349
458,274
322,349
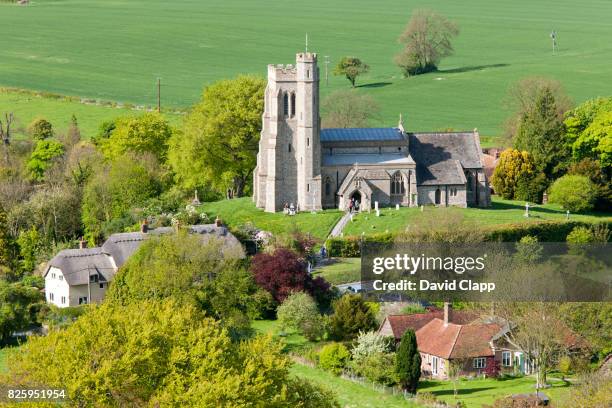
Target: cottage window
x,y
83,300
286,104
397,184
61,277
480,362
101,286
292,104
438,196
94,278
63,300
506,359
51,297
434,365
53,275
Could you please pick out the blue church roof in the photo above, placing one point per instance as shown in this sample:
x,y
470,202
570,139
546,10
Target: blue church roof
x,y
361,135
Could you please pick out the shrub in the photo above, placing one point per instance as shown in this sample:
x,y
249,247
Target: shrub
x,y
334,357
378,368
299,312
565,365
515,169
574,193
369,343
351,316
40,129
580,235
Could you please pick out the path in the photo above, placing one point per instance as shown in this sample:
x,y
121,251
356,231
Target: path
x,y
337,230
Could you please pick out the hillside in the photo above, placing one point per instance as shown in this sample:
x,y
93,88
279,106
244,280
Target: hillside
x,y
117,50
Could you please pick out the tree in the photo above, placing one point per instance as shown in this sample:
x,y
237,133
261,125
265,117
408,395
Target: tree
x,y
299,312
592,391
160,354
351,68
7,246
513,168
574,193
593,321
334,357
283,272
148,133
426,41
19,305
40,129
5,134
588,130
600,178
454,368
219,144
540,133
73,134
104,132
45,152
368,343
348,109
351,316
31,247
408,362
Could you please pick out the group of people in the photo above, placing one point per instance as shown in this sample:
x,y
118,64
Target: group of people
x,y
289,209
353,205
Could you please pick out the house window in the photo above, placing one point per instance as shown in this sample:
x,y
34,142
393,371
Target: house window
x,y
63,300
308,187
94,278
51,297
53,275
61,277
397,184
101,286
292,104
83,300
506,359
286,104
480,362
434,365
289,147
438,196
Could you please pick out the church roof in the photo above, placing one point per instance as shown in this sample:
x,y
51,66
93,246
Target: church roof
x,y
343,159
361,135
441,157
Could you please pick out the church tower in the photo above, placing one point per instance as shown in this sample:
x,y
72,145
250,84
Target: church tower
x,y
289,159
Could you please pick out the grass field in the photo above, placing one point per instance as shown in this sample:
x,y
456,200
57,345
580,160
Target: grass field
x,y
117,50
342,270
485,391
242,210
501,212
3,355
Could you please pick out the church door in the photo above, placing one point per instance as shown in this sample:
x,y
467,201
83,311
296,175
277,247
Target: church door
x,y
438,196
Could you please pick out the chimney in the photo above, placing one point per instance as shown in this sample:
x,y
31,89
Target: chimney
x,y
448,313
82,243
218,222
144,227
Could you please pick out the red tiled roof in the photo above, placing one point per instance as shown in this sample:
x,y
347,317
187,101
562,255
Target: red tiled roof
x,y
400,323
456,340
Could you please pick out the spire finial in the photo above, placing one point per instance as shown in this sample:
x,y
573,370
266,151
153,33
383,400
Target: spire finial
x,y
306,42
401,122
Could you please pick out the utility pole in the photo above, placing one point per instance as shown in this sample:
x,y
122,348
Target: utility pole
x,y
158,95
326,70
553,37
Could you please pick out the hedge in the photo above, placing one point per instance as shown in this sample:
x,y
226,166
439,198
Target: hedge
x,y
549,231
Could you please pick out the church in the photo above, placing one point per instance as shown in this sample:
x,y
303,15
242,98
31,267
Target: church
x,y
300,164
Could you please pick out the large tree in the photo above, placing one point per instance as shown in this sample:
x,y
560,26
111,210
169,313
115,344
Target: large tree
x,y
589,131
44,154
148,133
219,144
514,175
426,40
351,316
19,306
351,68
408,362
7,246
540,132
160,354
348,109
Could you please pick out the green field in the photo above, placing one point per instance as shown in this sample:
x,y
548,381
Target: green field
x,y
500,212
3,356
341,270
116,50
242,210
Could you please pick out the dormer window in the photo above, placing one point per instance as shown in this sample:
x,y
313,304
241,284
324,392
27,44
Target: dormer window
x,y
95,278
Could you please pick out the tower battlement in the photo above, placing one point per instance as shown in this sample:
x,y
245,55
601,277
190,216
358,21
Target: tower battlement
x,y
306,57
282,72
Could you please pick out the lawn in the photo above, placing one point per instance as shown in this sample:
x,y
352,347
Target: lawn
x,y
351,394
501,212
341,270
242,210
3,357
292,340
116,50
28,106
485,391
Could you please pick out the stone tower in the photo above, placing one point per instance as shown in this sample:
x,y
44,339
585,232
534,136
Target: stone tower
x,y
289,159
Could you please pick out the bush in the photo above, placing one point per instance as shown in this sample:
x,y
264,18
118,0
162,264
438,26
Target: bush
x,y
334,357
299,312
40,129
377,367
580,235
565,365
369,343
351,316
574,193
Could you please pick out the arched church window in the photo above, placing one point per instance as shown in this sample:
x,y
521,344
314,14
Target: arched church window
x,y
286,104
397,184
328,186
438,196
292,104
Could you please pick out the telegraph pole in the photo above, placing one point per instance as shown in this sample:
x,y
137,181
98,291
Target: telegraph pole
x,y
158,95
326,70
